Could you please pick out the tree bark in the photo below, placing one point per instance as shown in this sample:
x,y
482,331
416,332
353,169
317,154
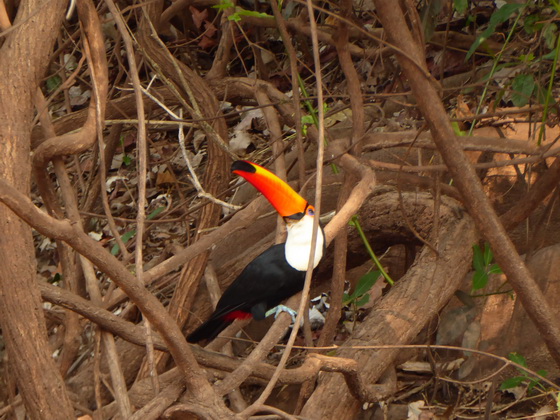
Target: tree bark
x,y
413,63
24,55
410,304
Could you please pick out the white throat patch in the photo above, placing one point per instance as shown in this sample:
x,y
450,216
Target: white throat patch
x,y
298,244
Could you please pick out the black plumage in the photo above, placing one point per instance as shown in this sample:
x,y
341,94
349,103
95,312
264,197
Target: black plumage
x,y
262,285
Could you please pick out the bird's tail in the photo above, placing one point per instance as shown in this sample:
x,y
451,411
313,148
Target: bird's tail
x,y
209,330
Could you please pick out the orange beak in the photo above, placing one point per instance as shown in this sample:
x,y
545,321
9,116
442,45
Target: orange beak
x,y
285,200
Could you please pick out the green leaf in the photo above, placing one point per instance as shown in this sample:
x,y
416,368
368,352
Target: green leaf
x,y
488,255
429,13
461,5
234,17
532,24
360,296
537,381
361,302
53,83
307,119
512,382
517,358
457,129
499,95
155,213
533,383
335,169
495,269
127,160
498,17
128,235
550,56
125,238
224,4
480,280
549,35
478,41
482,264
523,86
478,259
243,12
504,13
366,282
540,93
527,58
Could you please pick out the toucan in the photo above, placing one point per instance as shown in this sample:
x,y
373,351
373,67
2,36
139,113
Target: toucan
x,y
279,272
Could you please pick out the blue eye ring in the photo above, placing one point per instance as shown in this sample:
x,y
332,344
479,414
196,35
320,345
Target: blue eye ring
x,y
310,211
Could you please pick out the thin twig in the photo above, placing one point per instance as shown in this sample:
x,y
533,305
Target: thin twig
x,y
294,73
133,333
194,108
107,339
320,152
104,199
475,199
142,169
194,178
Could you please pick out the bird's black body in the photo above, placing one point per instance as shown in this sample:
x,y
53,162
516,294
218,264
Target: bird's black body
x,y
262,285
277,273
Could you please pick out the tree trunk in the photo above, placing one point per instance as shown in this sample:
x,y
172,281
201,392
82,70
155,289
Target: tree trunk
x,y
399,316
24,56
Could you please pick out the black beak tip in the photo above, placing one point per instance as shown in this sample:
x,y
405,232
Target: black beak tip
x,y
243,166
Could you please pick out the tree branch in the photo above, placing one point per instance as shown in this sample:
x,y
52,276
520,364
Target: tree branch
x,y
467,181
74,236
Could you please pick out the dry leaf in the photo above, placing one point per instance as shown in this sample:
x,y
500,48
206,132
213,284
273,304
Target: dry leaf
x,y
165,177
240,141
198,16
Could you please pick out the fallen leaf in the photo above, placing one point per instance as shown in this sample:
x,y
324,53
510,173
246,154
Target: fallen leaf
x,y
165,177
240,141
77,96
545,412
198,16
415,409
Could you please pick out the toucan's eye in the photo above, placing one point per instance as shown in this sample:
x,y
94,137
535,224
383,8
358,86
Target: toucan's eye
x,y
310,211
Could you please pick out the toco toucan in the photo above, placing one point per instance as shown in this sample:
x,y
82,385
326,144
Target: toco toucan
x,y
277,273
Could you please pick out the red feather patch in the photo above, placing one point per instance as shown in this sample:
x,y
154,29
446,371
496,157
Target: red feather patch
x,y
232,316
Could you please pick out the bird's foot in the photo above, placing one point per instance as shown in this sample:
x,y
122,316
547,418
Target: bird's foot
x,y
282,308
